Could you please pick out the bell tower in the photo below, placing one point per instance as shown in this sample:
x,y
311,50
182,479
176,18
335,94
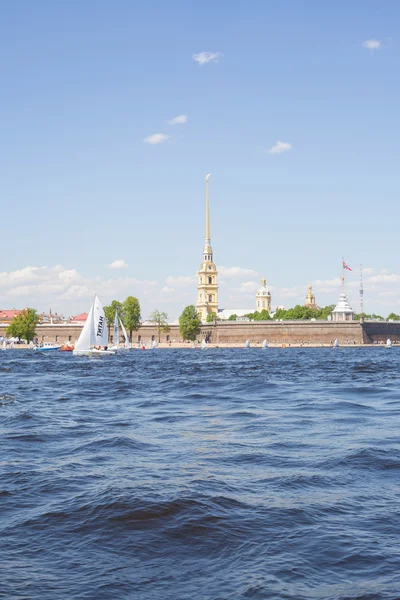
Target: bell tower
x,y
207,287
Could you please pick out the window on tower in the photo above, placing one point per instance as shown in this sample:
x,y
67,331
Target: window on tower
x,y
210,280
210,298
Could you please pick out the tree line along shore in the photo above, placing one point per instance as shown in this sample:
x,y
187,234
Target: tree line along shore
x,y
23,326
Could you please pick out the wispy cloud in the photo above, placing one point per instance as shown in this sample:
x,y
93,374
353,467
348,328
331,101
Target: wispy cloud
x,y
156,138
179,120
181,280
280,147
203,58
236,272
118,264
371,44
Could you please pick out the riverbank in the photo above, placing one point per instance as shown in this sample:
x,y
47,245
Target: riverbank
x,y
189,346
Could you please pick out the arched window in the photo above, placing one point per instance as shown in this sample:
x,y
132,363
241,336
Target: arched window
x,y
210,280
56,338
139,337
210,298
70,338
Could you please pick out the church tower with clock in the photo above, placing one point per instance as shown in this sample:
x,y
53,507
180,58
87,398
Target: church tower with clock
x,y
207,288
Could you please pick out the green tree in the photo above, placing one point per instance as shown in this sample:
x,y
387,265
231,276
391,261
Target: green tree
x,y
160,320
109,312
211,317
189,323
393,317
23,326
232,317
131,315
323,313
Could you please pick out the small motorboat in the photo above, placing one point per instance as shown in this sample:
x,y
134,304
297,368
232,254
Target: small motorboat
x,y
46,347
66,348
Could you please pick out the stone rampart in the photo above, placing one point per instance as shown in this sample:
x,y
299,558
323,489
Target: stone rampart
x,y
237,332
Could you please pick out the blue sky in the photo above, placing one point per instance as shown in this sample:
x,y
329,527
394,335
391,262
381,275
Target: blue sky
x,y
84,84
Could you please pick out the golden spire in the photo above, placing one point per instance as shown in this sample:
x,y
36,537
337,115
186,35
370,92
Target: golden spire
x,y
208,236
207,254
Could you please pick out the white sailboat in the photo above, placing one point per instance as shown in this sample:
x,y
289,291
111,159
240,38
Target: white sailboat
x,y
127,345
115,345
336,343
388,343
265,344
93,339
154,345
12,344
4,345
204,345
247,344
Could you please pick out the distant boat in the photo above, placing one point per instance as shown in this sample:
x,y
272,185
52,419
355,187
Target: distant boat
x,y
388,343
127,345
247,344
12,344
93,339
66,347
265,344
47,347
115,345
336,344
204,345
154,345
4,345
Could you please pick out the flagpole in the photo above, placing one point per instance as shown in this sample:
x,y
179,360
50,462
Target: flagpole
x,y
342,275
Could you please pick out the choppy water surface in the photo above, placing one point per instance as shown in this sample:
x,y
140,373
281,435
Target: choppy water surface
x,y
182,474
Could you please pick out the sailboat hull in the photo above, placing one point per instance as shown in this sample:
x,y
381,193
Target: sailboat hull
x,y
93,352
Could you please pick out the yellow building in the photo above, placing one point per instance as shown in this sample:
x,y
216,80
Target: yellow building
x,y
310,299
263,297
207,288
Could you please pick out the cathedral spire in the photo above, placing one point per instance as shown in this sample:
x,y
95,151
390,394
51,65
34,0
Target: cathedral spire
x,y
207,289
207,254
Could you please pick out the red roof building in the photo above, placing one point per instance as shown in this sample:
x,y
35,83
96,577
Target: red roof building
x,y
6,316
79,318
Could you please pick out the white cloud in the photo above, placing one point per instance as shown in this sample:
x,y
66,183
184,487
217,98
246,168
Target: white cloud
x,y
69,275
179,120
181,280
156,138
236,272
393,278
371,44
167,290
203,58
280,147
118,264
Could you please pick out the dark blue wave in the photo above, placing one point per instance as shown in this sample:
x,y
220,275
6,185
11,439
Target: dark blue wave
x,y
176,474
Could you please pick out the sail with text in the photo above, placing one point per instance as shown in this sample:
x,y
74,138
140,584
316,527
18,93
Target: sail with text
x,y
100,326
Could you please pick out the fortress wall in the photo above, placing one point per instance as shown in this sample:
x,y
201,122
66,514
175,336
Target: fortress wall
x,y
237,332
381,331
53,333
287,332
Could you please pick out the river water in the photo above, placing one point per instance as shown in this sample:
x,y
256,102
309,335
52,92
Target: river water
x,y
182,474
